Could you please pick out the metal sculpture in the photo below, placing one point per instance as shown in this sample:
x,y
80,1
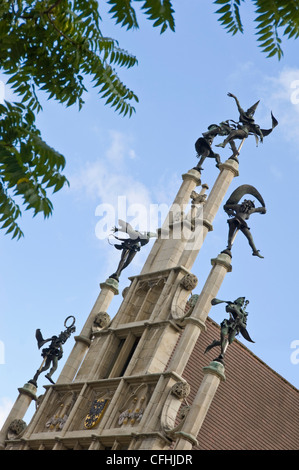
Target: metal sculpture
x,y
129,246
233,130
54,352
239,213
231,327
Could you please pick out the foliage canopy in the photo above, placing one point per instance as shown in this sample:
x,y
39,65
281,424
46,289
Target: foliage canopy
x,y
51,46
273,17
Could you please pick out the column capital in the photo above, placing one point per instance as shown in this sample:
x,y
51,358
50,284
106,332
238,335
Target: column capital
x,y
193,175
28,389
215,368
231,165
111,284
222,259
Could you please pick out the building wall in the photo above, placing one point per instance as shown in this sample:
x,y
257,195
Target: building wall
x,y
254,409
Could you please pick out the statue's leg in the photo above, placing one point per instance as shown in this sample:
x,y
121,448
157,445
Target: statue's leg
x,y
228,138
53,369
249,237
231,336
223,338
235,134
217,158
47,365
129,258
36,376
122,263
231,233
223,341
41,369
234,150
198,167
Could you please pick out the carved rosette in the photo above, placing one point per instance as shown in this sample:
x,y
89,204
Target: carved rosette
x,y
16,429
189,282
181,390
102,320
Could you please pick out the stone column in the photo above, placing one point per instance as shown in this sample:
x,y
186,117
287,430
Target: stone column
x,y
187,436
228,171
109,288
169,246
196,322
19,409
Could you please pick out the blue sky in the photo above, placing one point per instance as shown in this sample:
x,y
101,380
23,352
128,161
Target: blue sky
x,y
182,80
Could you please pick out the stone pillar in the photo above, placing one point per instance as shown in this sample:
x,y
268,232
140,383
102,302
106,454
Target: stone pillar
x,y
196,322
109,288
228,171
18,411
187,436
169,246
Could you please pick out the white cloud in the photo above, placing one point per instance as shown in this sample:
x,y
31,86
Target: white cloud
x,y
110,183
279,93
282,94
5,408
119,147
109,180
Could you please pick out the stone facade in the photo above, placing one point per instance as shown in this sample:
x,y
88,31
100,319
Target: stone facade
x,y
138,381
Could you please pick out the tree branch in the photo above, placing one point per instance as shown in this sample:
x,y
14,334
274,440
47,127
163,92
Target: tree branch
x,y
59,31
52,7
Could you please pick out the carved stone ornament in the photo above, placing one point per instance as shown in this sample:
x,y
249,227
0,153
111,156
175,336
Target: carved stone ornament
x,y
56,422
189,281
175,407
130,416
191,304
60,412
198,198
183,411
179,216
148,284
102,320
181,390
181,306
125,291
132,411
15,429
